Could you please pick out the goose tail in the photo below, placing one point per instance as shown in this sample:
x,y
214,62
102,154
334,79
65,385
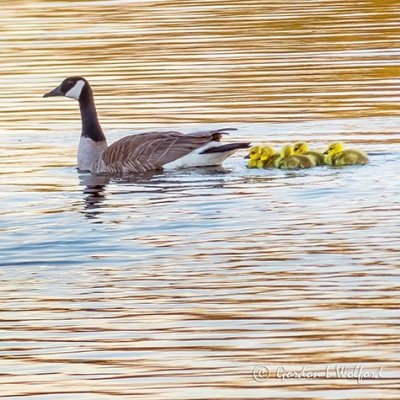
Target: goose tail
x,y
212,154
226,148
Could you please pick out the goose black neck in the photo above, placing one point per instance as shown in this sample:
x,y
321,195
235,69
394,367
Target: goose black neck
x,y
90,124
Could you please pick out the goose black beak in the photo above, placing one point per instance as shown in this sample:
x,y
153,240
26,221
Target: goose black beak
x,y
325,153
245,157
55,92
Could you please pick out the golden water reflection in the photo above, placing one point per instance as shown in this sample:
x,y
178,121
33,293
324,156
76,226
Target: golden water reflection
x,y
158,62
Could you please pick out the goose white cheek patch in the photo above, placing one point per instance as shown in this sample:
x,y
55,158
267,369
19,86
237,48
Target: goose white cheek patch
x,y
76,90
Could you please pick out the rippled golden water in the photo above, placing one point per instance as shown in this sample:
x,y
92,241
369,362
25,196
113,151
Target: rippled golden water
x,y
177,285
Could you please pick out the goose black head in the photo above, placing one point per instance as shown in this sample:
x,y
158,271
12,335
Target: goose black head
x,y
70,87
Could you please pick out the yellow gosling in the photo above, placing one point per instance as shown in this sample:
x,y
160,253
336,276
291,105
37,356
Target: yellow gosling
x,y
338,156
289,160
270,157
302,148
252,163
260,163
254,157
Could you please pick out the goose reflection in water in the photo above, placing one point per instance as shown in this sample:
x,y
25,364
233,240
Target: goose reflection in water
x,y
94,193
95,186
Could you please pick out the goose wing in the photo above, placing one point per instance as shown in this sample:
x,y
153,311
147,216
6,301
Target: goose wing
x,y
150,151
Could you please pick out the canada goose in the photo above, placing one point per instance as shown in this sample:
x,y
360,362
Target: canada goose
x,y
338,156
303,149
142,152
269,157
289,160
254,156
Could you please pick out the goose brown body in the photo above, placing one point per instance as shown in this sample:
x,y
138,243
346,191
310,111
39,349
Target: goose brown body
x,y
150,151
142,152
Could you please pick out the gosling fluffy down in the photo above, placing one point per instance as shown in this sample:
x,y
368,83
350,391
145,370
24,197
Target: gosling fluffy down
x,y
269,157
336,155
302,148
254,157
289,160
